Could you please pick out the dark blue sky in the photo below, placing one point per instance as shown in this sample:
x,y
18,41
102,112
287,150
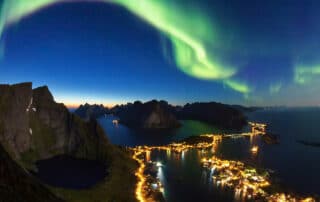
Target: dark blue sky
x,y
96,52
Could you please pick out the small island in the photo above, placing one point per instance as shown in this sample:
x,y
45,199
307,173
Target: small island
x,y
309,143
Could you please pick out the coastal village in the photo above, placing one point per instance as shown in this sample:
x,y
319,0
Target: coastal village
x,y
246,182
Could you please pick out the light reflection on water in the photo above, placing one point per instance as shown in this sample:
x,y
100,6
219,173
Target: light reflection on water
x,y
184,179
183,171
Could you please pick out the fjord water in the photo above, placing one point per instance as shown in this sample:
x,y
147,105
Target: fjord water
x,y
296,166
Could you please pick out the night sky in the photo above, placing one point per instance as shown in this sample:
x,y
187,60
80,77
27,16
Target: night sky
x,y
247,52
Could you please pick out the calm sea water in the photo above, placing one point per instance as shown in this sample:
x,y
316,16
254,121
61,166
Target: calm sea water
x,y
296,166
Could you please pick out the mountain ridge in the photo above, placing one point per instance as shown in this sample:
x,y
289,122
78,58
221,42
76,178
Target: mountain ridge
x,y
34,127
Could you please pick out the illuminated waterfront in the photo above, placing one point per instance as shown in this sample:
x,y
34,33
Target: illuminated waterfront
x,y
246,182
184,178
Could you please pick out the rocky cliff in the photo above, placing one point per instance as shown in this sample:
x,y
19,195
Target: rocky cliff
x,y
33,126
88,111
149,115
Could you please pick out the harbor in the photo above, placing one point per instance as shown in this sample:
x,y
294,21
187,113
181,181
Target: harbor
x,y
246,182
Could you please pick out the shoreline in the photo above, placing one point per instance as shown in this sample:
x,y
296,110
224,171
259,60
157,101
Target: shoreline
x,y
249,183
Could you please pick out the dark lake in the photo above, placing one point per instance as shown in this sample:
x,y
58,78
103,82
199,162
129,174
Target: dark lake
x,y
296,166
67,172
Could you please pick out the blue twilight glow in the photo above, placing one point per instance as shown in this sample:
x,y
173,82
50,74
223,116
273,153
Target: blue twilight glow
x,y
114,51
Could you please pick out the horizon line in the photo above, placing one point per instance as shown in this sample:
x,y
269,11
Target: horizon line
x,y
111,105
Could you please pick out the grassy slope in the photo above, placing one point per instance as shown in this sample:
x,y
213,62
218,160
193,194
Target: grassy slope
x,y
118,186
18,185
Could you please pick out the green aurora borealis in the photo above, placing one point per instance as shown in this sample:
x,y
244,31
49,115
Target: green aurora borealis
x,y
188,37
195,40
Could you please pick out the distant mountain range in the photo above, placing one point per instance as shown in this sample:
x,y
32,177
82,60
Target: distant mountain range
x,y
161,115
87,111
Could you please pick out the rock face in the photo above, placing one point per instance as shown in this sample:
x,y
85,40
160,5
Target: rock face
x,y
14,121
149,115
88,112
18,185
33,126
221,115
